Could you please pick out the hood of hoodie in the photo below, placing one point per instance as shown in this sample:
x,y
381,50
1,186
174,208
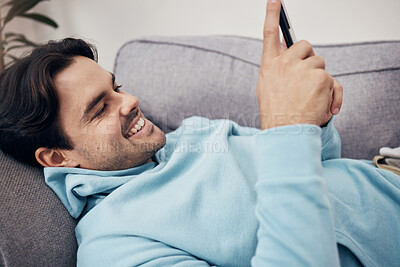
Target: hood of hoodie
x,y
74,186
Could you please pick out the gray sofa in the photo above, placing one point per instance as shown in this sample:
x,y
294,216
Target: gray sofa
x,y
211,76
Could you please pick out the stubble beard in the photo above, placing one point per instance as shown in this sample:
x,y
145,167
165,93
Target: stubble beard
x,y
115,156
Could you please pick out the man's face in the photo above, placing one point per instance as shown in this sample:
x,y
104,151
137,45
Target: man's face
x,y
105,125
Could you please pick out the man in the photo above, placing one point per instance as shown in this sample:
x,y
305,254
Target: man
x,y
268,200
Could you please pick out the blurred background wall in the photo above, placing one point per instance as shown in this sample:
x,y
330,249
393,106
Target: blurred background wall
x,y
109,24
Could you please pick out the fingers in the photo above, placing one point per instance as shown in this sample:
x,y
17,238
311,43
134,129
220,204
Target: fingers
x,y
337,97
284,45
316,62
331,82
301,49
272,44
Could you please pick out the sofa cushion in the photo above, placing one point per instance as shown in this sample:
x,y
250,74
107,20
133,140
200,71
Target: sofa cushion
x,y
216,77
36,229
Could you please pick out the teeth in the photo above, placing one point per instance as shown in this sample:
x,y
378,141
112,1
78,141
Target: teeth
x,y
136,128
141,122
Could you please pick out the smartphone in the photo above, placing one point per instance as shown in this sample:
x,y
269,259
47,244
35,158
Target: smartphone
x,y
286,27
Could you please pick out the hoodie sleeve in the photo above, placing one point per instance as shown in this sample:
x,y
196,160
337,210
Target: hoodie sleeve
x,y
293,209
135,251
331,144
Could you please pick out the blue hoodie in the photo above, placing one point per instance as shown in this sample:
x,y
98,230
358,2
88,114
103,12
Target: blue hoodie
x,y
225,195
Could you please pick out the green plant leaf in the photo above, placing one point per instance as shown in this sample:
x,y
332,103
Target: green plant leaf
x,y
12,2
40,18
14,47
11,34
16,2
19,7
24,41
12,57
20,38
3,46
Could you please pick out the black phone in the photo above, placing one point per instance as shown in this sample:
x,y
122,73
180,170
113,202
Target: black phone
x,y
286,26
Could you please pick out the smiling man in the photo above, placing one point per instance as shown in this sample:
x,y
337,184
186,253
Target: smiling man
x,y
104,124
143,199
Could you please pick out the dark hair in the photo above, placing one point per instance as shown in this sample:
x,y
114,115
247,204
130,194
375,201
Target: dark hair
x,y
29,106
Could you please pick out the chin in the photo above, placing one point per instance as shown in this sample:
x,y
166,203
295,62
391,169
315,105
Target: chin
x,y
147,156
160,139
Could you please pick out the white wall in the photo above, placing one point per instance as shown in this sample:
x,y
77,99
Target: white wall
x,y
109,24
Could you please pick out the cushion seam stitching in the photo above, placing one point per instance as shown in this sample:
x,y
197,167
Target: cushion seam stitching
x,y
243,60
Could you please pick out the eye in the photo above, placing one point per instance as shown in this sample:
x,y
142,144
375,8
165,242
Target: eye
x,y
100,112
117,88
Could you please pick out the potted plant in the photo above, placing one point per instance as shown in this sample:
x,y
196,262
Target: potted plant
x,y
10,41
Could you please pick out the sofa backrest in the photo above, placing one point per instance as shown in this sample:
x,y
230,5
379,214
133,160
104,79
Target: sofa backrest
x,y
216,77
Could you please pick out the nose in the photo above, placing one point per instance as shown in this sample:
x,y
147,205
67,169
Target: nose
x,y
129,103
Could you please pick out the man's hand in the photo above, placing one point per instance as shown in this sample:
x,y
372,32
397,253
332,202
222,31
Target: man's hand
x,y
336,101
293,86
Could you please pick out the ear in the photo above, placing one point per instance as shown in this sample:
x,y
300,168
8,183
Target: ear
x,y
53,158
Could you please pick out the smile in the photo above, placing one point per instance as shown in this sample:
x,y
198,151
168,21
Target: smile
x,y
136,128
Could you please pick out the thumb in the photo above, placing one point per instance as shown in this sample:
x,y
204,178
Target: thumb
x,y
337,98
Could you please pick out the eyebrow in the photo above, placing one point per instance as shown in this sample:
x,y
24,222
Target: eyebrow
x,y
94,101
